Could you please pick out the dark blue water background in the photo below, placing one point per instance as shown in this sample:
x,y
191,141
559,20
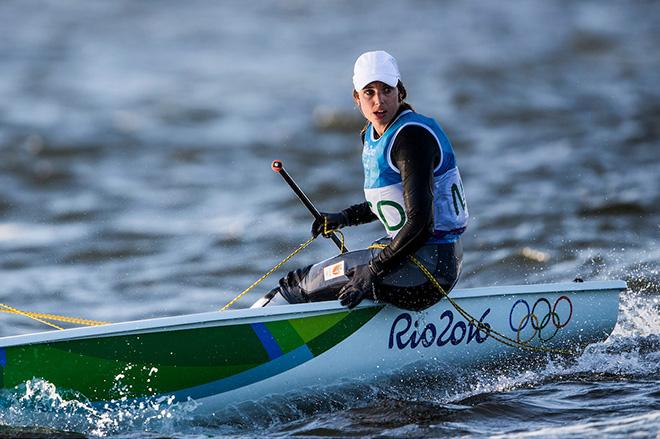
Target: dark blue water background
x,y
135,148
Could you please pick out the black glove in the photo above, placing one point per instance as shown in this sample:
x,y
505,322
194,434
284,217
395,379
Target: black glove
x,y
361,286
335,221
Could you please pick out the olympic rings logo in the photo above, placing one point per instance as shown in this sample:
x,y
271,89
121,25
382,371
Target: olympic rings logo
x,y
542,317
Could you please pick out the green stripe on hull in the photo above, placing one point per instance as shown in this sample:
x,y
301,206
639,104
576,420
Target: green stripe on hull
x,y
310,331
340,331
157,363
153,347
285,334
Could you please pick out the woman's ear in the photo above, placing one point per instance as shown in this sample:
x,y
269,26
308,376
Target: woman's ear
x,y
356,99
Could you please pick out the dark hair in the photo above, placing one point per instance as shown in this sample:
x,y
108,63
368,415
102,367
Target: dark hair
x,y
403,94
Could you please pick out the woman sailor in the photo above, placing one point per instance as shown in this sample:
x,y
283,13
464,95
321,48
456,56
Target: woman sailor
x,y
412,185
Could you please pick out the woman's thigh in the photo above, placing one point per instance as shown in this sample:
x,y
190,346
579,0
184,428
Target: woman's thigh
x,y
410,288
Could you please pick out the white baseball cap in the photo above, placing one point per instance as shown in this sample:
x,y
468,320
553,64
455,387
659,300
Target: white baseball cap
x,y
375,66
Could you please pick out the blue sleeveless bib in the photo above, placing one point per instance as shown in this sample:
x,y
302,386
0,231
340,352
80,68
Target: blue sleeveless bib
x,y
383,187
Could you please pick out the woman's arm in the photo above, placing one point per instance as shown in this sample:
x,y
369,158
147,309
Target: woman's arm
x,y
359,214
415,153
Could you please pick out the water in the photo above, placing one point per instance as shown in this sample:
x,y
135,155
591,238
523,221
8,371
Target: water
x,y
135,181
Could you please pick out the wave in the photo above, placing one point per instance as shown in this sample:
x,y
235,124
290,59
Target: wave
x,y
37,405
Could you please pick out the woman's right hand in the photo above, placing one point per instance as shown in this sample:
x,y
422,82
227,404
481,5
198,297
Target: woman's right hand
x,y
334,221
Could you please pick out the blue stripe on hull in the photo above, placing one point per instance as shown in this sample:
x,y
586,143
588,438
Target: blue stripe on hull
x,y
267,340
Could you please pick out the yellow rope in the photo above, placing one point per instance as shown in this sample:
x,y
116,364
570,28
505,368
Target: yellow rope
x,y
300,248
43,318
327,232
497,336
65,319
12,310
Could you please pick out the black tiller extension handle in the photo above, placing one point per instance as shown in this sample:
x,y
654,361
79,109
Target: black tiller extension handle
x,y
278,167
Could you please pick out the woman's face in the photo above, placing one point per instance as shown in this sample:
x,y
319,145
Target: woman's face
x,y
379,103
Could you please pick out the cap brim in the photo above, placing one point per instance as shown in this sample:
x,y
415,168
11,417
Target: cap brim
x,y
363,81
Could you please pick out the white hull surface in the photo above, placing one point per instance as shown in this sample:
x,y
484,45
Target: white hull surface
x,y
233,356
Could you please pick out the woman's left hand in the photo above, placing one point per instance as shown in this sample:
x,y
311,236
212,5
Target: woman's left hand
x,y
361,286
